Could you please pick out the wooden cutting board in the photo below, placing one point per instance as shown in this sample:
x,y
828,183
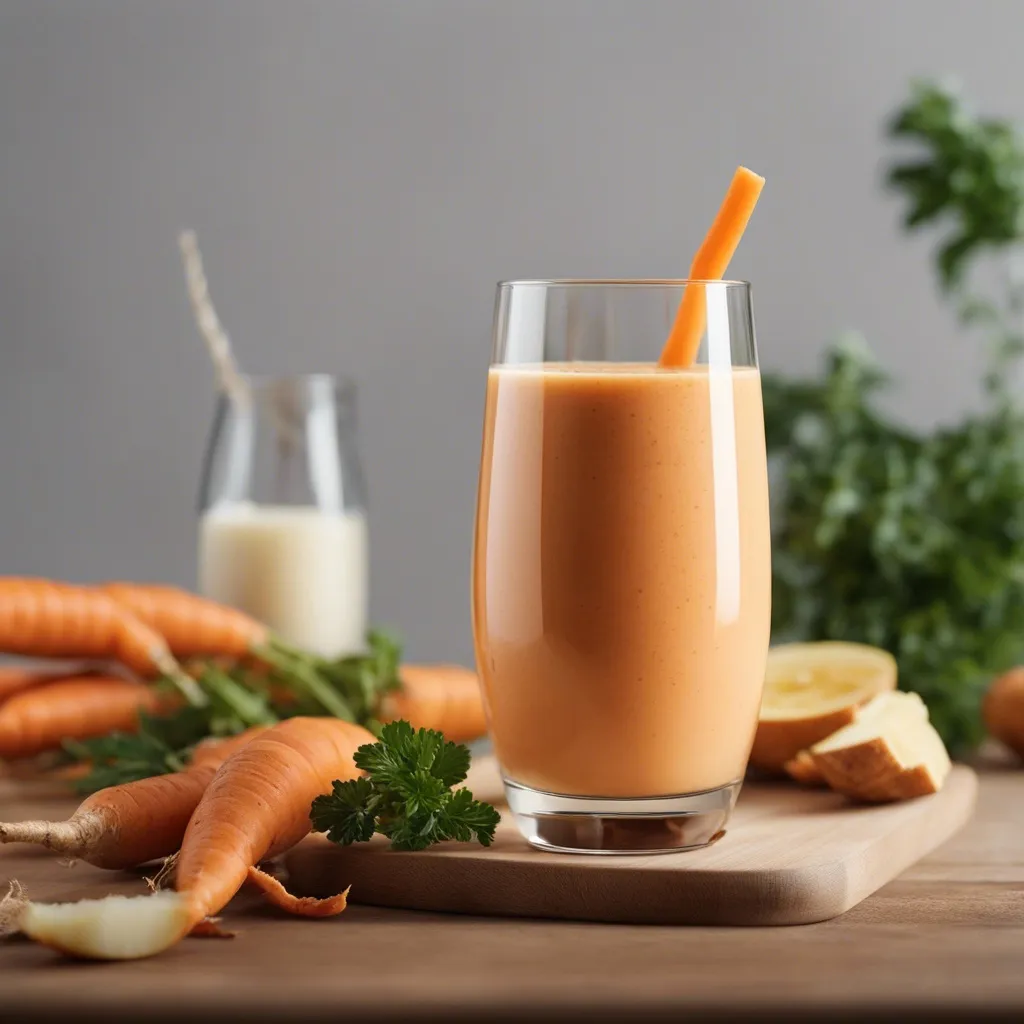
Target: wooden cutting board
x,y
790,856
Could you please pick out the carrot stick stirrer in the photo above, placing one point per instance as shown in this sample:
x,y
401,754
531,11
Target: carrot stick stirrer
x,y
710,264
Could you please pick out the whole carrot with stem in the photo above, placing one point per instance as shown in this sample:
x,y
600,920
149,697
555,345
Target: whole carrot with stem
x,y
194,627
443,697
45,619
134,823
41,717
256,806
318,773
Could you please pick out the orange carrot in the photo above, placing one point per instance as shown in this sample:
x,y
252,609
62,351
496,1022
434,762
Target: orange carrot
x,y
40,717
215,750
191,625
123,826
442,697
44,619
710,264
15,679
194,626
257,806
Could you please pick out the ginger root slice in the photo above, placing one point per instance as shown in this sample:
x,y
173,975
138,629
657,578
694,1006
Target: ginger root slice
x,y
892,752
111,928
803,769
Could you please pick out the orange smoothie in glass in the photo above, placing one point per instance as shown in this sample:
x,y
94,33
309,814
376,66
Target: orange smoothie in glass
x,y
622,575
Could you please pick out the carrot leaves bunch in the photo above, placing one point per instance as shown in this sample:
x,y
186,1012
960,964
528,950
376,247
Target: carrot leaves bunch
x,y
406,794
236,699
362,680
164,743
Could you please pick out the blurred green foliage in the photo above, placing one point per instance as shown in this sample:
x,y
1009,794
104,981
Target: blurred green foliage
x,y
908,540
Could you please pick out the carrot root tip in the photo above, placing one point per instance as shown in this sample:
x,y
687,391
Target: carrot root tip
x,y
164,878
71,838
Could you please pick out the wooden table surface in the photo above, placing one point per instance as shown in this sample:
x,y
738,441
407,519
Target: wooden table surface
x,y
948,935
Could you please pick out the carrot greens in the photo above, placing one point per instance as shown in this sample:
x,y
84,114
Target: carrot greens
x,y
236,700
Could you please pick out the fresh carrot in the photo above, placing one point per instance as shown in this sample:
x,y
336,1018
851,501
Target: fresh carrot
x,y
15,679
442,697
192,626
41,717
124,826
256,806
215,750
709,264
44,619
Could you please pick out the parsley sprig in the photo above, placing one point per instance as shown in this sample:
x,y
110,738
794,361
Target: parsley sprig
x,y
406,794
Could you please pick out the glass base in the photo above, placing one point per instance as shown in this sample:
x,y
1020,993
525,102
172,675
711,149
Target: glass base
x,y
613,825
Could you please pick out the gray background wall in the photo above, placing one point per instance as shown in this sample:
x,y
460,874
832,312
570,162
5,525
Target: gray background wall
x,y
361,173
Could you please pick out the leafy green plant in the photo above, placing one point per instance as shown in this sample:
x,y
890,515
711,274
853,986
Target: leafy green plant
x,y
911,541
235,701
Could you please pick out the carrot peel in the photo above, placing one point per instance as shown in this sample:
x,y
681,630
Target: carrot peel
x,y
709,264
303,906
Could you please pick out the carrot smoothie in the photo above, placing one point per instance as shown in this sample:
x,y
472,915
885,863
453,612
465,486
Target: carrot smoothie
x,y
622,575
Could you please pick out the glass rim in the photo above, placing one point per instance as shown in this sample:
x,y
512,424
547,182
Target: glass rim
x,y
622,282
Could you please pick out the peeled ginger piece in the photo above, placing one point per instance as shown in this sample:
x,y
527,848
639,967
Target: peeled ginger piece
x,y
111,928
890,752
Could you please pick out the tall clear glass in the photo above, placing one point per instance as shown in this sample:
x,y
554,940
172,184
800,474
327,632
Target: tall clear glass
x,y
283,532
622,564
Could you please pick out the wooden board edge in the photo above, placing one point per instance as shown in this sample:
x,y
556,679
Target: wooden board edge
x,y
945,813
770,898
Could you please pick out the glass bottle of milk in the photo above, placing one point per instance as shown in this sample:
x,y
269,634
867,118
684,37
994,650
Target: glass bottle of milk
x,y
283,532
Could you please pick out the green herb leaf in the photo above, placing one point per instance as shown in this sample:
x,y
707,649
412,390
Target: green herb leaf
x,y
346,814
407,794
970,177
462,818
